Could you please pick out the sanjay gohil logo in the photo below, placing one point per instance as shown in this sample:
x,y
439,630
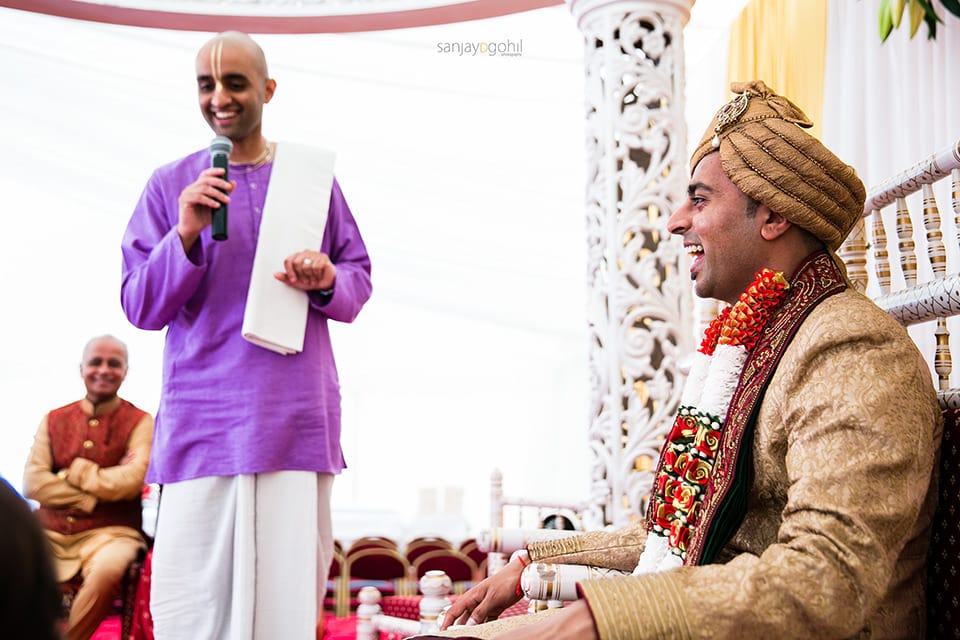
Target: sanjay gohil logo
x,y
510,48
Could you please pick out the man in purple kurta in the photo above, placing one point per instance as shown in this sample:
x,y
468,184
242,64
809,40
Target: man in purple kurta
x,y
233,414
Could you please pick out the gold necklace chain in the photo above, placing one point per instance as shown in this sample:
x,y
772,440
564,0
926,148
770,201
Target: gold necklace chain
x,y
257,162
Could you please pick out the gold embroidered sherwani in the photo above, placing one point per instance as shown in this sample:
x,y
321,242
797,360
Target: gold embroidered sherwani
x,y
834,541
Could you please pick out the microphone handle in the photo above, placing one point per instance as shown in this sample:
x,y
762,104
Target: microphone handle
x,y
219,223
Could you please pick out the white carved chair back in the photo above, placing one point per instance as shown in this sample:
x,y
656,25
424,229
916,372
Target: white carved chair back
x,y
906,256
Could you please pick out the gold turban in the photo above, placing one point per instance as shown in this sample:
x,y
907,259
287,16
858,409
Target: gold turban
x,y
766,153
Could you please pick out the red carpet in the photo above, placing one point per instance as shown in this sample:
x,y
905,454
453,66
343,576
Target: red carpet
x,y
341,628
109,629
337,629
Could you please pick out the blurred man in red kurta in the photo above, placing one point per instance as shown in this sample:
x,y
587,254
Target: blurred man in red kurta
x,y
86,469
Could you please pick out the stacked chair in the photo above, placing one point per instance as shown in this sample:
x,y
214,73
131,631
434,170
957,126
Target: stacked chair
x,y
461,570
472,550
331,600
371,561
436,553
425,544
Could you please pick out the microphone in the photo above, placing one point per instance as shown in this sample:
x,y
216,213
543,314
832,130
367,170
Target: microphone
x,y
220,148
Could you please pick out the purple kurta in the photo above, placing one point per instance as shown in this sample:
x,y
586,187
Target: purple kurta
x,y
229,407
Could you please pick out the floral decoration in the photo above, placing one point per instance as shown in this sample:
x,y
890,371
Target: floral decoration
x,y
690,451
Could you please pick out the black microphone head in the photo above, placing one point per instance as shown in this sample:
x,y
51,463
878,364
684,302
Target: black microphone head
x,y
221,144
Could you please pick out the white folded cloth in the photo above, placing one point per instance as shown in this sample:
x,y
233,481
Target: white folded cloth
x,y
294,217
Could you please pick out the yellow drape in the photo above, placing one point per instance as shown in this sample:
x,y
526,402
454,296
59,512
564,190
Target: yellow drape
x,y
783,43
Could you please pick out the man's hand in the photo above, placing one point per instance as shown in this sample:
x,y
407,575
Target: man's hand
x,y
308,271
196,202
570,623
486,600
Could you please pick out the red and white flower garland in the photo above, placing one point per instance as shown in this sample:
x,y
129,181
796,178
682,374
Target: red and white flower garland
x,y
691,448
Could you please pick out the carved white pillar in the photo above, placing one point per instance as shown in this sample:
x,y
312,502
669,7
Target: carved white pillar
x,y
639,299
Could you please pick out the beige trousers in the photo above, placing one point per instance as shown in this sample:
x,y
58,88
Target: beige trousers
x,y
103,556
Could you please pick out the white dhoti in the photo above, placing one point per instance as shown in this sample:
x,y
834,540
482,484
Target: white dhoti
x,y
242,557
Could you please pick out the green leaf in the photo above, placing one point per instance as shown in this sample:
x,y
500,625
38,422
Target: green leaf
x,y
931,18
891,13
916,16
896,12
885,20
953,6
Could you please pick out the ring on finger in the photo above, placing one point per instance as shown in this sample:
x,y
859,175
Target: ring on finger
x,y
307,262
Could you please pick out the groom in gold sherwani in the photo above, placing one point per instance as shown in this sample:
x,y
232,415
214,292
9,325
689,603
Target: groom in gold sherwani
x,y
799,504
